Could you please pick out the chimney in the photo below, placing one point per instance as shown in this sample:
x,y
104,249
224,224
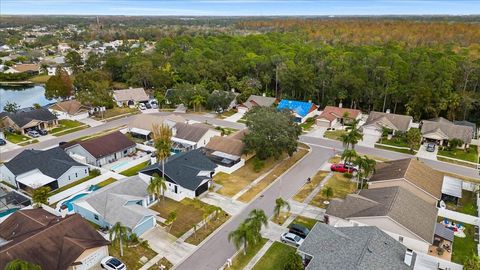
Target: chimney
x,y
408,257
153,158
387,111
264,95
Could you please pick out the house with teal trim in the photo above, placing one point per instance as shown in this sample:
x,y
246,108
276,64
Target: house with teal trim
x,y
125,201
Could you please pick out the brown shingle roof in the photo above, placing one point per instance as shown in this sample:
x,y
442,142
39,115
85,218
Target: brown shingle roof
x,y
72,107
413,171
226,145
47,240
331,113
389,120
415,214
135,94
107,144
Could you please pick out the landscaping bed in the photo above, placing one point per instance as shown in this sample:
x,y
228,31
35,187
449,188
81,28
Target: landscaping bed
x,y
208,229
242,259
334,134
135,169
275,258
303,193
341,186
305,221
273,175
131,255
163,261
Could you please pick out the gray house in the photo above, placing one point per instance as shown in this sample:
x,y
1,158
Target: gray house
x,y
36,168
440,130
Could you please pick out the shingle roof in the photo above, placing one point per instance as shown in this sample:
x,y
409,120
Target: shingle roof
x,y
110,201
22,118
443,232
26,67
226,145
451,130
412,170
331,113
404,207
301,108
47,240
190,132
184,168
356,248
389,120
72,107
107,144
146,121
135,94
254,100
52,162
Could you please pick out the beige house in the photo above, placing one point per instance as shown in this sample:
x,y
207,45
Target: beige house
x,y
410,174
440,130
26,119
378,120
130,97
141,125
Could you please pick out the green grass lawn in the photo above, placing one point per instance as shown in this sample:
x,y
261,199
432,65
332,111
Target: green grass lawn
x,y
275,257
471,155
464,247
135,169
305,221
15,138
227,114
208,229
242,259
467,204
42,78
400,150
29,142
307,188
334,134
90,176
341,185
131,255
67,126
106,182
395,141
307,125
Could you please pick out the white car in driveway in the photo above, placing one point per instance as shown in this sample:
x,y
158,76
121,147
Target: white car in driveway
x,y
292,239
112,263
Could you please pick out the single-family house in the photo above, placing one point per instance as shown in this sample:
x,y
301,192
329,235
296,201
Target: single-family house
x,y
411,174
301,110
226,152
24,120
333,116
468,124
395,210
102,150
377,121
191,136
125,201
141,125
440,131
361,248
32,69
51,242
70,109
130,97
188,174
37,168
254,101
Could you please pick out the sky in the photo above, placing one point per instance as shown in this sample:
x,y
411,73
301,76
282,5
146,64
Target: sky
x,y
239,7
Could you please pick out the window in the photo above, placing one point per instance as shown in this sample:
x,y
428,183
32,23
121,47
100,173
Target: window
x,y
69,177
76,175
86,171
95,217
125,152
400,239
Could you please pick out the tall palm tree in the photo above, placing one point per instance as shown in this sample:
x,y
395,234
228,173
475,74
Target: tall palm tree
x,y
257,218
366,166
119,233
353,135
18,264
197,100
348,155
162,137
280,204
242,236
157,186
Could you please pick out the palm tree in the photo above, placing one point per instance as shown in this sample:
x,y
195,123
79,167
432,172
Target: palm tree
x,y
327,192
157,186
366,166
257,218
197,100
348,155
242,236
119,233
353,136
18,264
280,204
40,195
162,137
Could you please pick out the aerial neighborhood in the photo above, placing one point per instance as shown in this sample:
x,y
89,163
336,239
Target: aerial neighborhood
x,y
184,143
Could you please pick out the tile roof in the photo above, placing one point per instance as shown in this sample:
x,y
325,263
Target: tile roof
x,y
451,130
135,94
254,100
389,120
21,118
72,107
412,170
301,108
404,207
331,113
190,132
53,162
50,241
356,248
107,144
184,168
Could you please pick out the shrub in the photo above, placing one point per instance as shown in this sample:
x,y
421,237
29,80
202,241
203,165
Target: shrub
x,y
95,172
258,164
348,175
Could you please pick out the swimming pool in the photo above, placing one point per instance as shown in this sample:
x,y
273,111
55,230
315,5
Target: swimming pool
x,y
118,167
68,202
8,211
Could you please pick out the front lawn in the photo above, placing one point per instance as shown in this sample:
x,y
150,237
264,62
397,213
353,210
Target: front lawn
x,y
275,258
400,150
307,125
471,155
28,142
135,169
15,138
341,186
227,114
467,204
189,213
334,134
67,126
242,259
303,193
305,221
464,247
208,229
131,255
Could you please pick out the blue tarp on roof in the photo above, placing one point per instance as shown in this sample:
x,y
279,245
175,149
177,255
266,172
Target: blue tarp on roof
x,y
301,108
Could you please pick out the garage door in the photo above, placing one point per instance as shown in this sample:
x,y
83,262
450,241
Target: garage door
x,y
201,189
323,123
371,131
242,109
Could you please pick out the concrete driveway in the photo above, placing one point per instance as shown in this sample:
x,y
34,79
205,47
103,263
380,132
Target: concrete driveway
x,y
235,117
369,140
167,245
422,152
317,132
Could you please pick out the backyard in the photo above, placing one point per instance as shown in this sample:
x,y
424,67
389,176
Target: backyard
x,y
334,134
135,169
341,186
242,259
131,255
67,126
275,257
471,155
303,193
464,247
467,204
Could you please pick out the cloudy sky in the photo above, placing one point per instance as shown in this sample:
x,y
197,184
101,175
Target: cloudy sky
x,y
240,7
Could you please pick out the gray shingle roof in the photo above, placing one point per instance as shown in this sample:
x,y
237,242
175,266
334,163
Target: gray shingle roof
x,y
390,120
443,232
361,248
254,100
183,168
190,132
404,207
53,162
22,118
451,130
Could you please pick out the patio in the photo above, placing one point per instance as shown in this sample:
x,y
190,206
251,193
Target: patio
x,y
126,162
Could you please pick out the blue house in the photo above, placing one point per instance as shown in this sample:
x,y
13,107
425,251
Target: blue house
x,y
302,110
125,201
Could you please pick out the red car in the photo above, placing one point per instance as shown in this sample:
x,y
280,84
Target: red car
x,y
342,168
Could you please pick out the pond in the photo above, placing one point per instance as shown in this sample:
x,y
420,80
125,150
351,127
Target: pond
x,y
24,96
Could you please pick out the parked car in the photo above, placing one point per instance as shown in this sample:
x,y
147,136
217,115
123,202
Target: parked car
x,y
112,263
292,239
343,168
142,106
299,230
154,103
431,147
33,134
147,105
2,142
43,132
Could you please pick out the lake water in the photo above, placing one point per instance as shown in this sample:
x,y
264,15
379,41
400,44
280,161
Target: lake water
x,y
25,96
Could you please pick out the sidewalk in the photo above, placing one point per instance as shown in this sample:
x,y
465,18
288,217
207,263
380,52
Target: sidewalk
x,y
232,207
91,122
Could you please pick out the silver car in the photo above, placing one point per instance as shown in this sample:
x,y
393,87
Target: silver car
x,y
33,134
292,239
